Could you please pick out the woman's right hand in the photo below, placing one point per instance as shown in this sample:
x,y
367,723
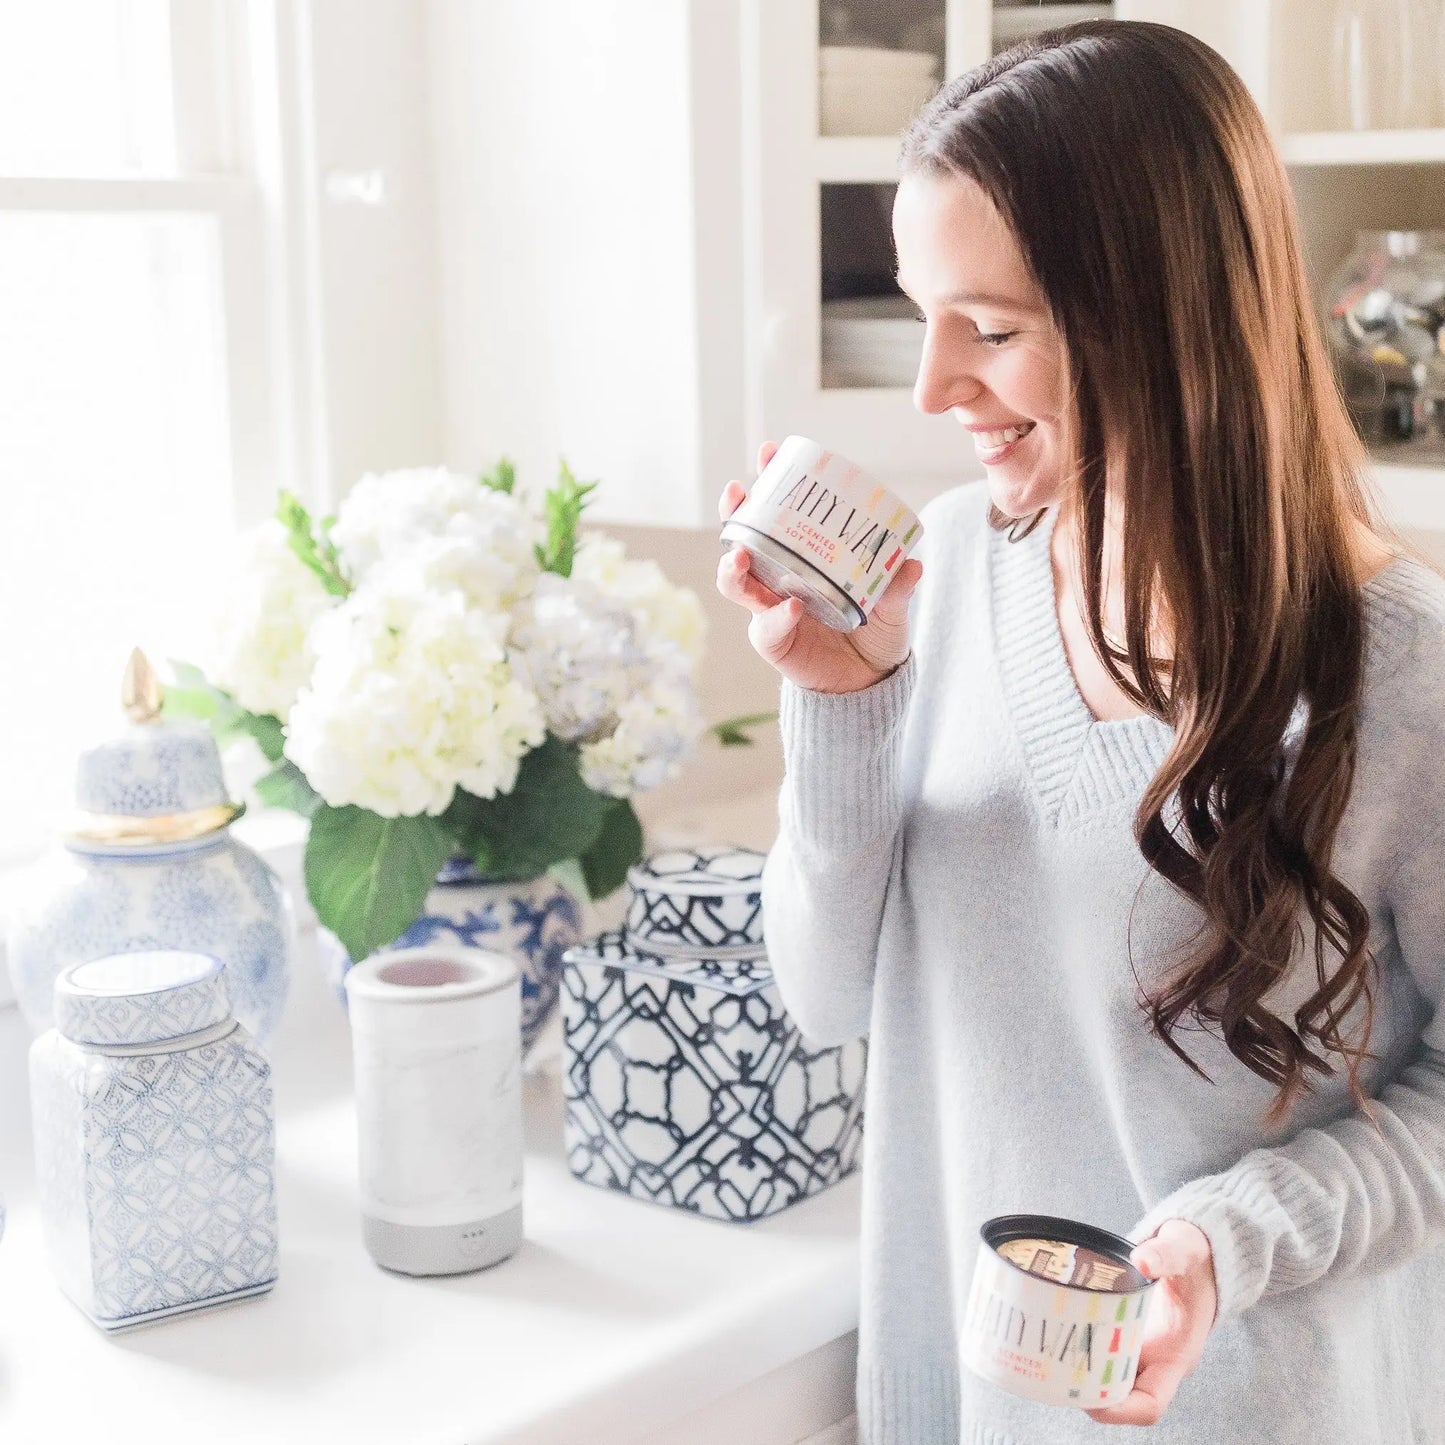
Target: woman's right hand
x,y
800,647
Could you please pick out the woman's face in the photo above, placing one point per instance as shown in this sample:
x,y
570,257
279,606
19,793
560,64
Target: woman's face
x,y
991,355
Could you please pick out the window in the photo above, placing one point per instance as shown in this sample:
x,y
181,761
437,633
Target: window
x,y
139,371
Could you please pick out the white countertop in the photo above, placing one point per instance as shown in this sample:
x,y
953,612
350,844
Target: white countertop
x,y
614,1319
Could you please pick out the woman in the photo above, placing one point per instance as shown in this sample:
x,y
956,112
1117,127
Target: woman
x,y
1119,827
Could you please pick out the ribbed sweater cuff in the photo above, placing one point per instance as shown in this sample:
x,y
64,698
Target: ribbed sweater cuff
x,y
841,752
1270,1226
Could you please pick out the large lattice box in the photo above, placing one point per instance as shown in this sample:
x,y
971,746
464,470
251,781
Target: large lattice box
x,y
687,1083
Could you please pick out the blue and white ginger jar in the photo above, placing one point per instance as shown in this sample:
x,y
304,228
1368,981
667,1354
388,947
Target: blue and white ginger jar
x,y
151,864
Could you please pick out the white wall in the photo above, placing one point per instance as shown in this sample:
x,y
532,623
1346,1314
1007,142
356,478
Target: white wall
x,y
570,246
376,264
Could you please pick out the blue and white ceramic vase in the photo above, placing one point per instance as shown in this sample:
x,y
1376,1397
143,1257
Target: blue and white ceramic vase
x,y
150,863
534,923
155,1141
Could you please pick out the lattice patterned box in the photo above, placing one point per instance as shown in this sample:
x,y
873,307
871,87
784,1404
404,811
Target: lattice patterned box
x,y
154,1141
687,1083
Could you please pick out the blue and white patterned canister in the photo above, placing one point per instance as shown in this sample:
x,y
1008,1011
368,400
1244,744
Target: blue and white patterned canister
x,y
686,1082
698,902
154,1141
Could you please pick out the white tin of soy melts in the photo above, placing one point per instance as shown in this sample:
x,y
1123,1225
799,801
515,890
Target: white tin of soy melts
x,y
1056,1313
822,530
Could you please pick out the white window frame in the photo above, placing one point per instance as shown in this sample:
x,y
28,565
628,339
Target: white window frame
x,y
243,137
245,145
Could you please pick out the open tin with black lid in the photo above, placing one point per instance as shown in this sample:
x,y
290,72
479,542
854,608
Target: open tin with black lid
x,y
1056,1312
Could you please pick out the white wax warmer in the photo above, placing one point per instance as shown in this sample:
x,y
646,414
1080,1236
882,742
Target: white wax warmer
x,y
436,1045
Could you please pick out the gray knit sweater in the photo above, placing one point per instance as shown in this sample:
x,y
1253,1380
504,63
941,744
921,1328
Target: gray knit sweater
x,y
956,875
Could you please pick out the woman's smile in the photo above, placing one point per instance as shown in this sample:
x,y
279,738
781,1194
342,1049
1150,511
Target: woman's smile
x,y
994,444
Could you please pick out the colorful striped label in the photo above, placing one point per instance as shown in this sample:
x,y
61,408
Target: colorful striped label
x,y
1059,1343
824,511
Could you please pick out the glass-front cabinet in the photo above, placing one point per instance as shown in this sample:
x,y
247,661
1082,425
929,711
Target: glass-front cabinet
x,y
833,345
836,344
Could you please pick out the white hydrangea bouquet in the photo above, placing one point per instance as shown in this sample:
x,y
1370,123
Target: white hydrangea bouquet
x,y
441,670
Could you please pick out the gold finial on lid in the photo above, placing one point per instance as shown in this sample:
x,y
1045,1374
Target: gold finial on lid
x,y
140,691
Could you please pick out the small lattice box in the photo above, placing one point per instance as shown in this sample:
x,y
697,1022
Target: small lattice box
x,y
687,1083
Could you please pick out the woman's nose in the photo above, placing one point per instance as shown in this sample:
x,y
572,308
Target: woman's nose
x,y
943,381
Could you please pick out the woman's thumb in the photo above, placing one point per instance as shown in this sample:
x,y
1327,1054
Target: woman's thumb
x,y
892,607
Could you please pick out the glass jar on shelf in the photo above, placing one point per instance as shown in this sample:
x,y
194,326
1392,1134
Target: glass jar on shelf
x,y
1386,322
1384,54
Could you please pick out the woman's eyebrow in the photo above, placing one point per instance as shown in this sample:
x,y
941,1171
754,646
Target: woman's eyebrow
x,y
976,298
986,298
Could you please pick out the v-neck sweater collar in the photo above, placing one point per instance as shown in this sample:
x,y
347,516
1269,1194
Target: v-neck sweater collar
x,y
1077,763
1080,765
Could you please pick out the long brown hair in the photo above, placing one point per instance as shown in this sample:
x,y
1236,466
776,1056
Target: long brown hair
x,y
1149,201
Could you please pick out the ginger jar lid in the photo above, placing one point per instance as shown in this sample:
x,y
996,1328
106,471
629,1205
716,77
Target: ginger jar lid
x,y
141,998
158,781
698,902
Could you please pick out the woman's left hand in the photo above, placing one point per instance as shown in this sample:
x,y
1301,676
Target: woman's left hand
x,y
1179,1256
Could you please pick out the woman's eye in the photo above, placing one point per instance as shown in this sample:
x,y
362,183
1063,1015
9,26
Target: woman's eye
x,y
996,338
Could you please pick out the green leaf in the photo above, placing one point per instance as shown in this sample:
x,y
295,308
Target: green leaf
x,y
200,704
265,729
550,815
731,732
368,877
187,673
196,698
502,477
312,543
618,847
191,696
564,505
285,786
569,874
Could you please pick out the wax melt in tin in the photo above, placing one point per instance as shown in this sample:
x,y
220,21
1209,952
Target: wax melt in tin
x,y
1064,1263
1056,1312
820,529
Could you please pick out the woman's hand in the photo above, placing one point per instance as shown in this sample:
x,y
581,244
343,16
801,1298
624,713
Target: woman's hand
x,y
803,649
1178,1254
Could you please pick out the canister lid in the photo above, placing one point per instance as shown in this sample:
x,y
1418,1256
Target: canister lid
x,y
157,781
740,975
141,998
692,901
151,770
708,872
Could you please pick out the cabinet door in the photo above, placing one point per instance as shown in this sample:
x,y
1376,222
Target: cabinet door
x,y
1238,29
786,166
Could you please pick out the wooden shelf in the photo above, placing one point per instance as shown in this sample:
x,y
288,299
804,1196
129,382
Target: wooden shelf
x,y
1414,496
1017,22
1364,147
